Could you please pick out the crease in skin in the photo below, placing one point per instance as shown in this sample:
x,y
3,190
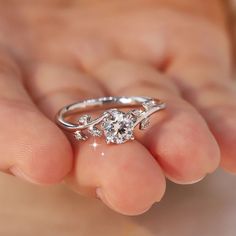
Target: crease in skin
x,y
18,172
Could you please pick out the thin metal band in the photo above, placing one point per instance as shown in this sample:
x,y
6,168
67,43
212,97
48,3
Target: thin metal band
x,y
88,104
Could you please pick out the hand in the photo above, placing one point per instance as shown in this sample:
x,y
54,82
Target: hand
x,y
55,53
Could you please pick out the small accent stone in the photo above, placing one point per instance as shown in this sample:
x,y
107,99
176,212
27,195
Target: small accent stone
x,y
94,131
144,124
80,136
149,104
136,113
84,119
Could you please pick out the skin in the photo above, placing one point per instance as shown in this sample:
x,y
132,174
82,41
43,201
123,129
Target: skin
x,y
57,52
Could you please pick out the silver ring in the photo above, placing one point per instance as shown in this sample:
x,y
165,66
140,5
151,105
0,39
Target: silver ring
x,y
115,125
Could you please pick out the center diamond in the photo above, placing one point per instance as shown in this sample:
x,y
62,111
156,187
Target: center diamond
x,y
118,127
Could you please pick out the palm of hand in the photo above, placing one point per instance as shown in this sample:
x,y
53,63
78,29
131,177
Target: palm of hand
x,y
59,55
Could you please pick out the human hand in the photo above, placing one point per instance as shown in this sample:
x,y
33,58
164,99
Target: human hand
x,y
55,53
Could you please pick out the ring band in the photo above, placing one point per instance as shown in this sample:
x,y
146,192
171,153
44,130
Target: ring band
x,y
115,125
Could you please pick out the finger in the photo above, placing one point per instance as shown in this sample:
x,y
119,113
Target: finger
x,y
54,85
31,146
215,98
204,79
116,173
179,137
126,177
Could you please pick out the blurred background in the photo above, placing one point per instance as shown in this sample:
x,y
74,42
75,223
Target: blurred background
x,y
207,208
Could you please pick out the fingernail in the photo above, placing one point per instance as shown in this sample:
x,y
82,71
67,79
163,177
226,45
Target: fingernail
x,y
186,182
195,181
100,194
16,171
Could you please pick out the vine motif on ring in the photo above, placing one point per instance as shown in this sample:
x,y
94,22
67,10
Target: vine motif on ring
x,y
115,125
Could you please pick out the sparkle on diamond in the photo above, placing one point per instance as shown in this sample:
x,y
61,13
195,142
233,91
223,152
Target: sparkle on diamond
x,y
118,128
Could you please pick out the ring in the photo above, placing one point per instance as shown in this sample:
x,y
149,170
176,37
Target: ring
x,y
115,125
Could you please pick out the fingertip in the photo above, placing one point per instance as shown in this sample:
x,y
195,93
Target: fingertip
x,y
134,212
48,157
224,128
185,148
228,160
125,177
134,185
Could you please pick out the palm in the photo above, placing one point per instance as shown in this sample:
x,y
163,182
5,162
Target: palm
x,y
67,54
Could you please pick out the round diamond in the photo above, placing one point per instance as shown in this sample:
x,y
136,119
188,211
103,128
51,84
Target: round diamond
x,y
118,128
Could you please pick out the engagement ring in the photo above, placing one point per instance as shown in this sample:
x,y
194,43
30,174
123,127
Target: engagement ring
x,y
117,126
